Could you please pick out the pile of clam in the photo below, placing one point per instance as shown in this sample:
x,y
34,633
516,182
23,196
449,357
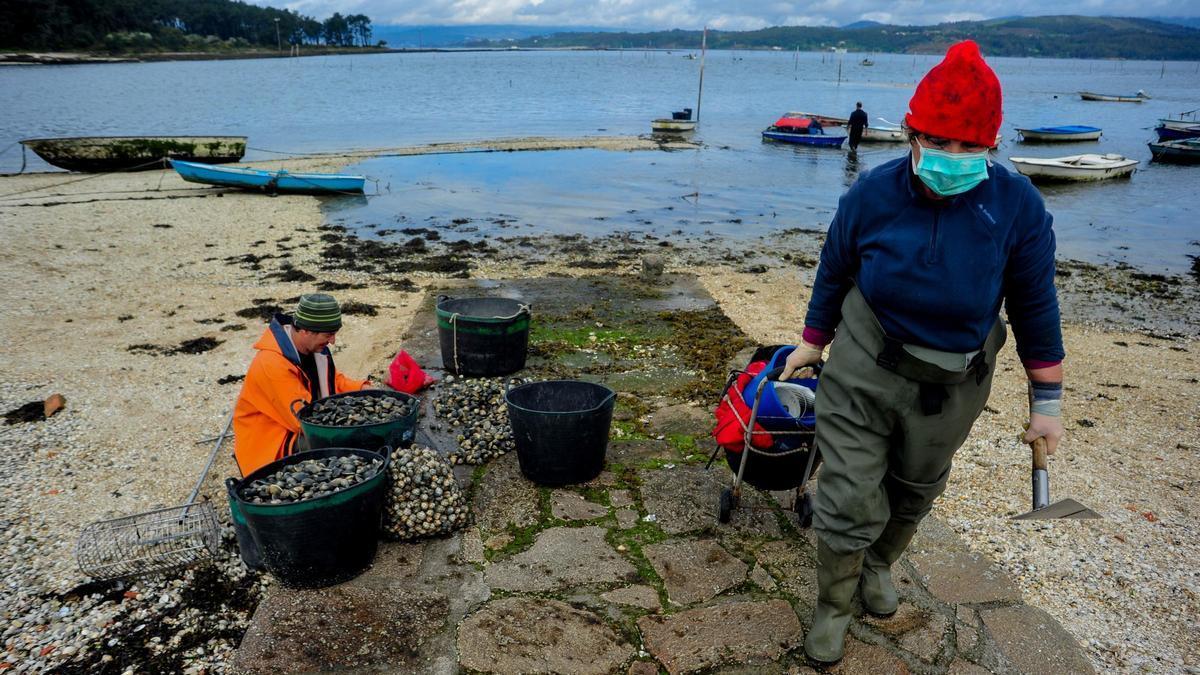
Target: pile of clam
x,y
424,499
475,408
311,479
353,411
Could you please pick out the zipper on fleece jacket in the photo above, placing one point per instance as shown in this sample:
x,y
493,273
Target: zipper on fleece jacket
x,y
931,257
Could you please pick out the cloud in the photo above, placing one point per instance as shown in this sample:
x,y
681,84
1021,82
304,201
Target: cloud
x,y
722,14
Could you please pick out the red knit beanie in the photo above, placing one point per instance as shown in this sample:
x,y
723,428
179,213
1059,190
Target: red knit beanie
x,y
959,99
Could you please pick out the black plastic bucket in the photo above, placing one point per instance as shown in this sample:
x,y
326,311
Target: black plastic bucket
x,y
560,429
483,336
316,542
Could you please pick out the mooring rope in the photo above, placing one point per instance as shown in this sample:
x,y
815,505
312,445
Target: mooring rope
x,y
80,180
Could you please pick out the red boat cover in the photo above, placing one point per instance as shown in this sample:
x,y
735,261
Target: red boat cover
x,y
793,122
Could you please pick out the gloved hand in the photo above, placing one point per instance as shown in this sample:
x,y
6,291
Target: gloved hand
x,y
802,356
1045,426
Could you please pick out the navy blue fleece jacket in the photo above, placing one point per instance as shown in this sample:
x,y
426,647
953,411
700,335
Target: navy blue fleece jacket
x,y
936,271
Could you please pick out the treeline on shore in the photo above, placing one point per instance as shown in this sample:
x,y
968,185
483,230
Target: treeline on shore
x,y
1043,36
131,26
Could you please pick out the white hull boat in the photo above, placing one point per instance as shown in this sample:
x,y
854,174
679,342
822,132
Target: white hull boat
x,y
1075,167
665,125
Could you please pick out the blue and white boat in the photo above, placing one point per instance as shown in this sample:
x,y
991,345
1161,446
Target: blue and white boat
x,y
271,182
801,131
1171,129
1061,134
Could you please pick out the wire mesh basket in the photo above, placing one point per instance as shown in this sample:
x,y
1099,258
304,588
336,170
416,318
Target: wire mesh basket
x,y
146,543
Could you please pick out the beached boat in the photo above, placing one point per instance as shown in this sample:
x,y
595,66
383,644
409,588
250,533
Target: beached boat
x,y
1186,151
802,131
1061,134
98,154
1075,167
1115,98
271,182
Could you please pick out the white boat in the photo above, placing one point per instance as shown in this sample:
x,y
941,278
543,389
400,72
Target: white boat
x,y
666,125
1061,134
1075,167
884,135
1114,98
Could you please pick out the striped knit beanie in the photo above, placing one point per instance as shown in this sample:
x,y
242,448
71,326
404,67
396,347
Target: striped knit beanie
x,y
318,312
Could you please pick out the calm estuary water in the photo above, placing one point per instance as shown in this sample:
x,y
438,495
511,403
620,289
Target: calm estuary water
x,y
735,184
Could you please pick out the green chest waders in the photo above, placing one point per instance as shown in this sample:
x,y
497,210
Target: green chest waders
x,y
888,423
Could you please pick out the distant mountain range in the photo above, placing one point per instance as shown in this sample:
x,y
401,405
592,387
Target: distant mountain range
x,y
1169,38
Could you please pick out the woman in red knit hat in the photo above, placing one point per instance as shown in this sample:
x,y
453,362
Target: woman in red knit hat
x,y
920,257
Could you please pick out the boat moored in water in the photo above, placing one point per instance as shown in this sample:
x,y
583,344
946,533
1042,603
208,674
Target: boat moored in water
x,y
99,154
1060,134
1075,167
1114,98
680,122
801,131
1186,151
1171,129
271,182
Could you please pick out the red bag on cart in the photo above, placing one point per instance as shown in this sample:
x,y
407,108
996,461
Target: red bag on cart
x,y
733,414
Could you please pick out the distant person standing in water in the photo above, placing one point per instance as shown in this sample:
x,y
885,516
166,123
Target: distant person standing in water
x,y
858,122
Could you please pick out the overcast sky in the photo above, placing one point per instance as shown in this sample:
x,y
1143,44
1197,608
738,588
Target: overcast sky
x,y
725,14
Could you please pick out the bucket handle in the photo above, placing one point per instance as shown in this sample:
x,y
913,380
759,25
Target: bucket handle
x,y
295,411
231,485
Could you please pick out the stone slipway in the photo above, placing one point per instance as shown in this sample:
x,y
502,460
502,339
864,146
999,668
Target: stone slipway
x,y
631,573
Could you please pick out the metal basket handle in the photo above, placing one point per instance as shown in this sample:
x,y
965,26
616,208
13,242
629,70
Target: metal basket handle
x,y
295,412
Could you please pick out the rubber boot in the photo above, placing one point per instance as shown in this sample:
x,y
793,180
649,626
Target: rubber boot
x,y
837,577
878,592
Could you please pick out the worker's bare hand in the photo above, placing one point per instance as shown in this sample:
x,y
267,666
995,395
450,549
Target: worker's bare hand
x,y
1045,426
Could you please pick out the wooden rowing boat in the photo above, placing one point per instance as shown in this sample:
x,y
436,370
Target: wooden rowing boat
x,y
1075,167
99,154
1060,134
1114,98
271,182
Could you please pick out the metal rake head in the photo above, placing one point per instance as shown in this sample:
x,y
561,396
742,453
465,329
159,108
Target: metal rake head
x,y
149,543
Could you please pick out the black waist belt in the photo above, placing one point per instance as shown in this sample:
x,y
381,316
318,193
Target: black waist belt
x,y
891,355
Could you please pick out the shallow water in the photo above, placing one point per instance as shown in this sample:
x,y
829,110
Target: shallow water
x,y
331,103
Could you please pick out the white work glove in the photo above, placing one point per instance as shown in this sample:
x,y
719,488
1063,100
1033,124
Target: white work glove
x,y
803,356
1045,426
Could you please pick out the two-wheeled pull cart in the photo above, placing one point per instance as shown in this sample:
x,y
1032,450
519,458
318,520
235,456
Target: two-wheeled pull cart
x,y
787,464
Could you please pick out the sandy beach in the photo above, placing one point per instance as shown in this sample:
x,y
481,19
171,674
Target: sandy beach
x,y
136,296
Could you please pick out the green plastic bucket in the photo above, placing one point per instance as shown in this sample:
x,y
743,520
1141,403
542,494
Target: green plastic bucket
x,y
397,433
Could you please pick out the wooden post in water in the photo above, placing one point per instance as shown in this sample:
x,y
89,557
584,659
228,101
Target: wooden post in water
x,y
700,91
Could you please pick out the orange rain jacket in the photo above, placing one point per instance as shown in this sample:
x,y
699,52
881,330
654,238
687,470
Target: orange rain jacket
x,y
264,427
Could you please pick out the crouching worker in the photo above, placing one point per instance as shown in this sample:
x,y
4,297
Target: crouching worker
x,y
921,254
293,362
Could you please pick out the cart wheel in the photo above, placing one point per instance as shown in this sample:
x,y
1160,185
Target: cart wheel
x,y
803,508
727,504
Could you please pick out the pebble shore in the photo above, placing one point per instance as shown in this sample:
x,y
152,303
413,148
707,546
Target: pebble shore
x,y
1126,587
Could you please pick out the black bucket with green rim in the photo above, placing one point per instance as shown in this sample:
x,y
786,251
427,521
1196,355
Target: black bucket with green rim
x,y
483,336
316,542
396,433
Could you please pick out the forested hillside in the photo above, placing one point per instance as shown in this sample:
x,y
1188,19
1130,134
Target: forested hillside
x,y
170,25
1050,36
